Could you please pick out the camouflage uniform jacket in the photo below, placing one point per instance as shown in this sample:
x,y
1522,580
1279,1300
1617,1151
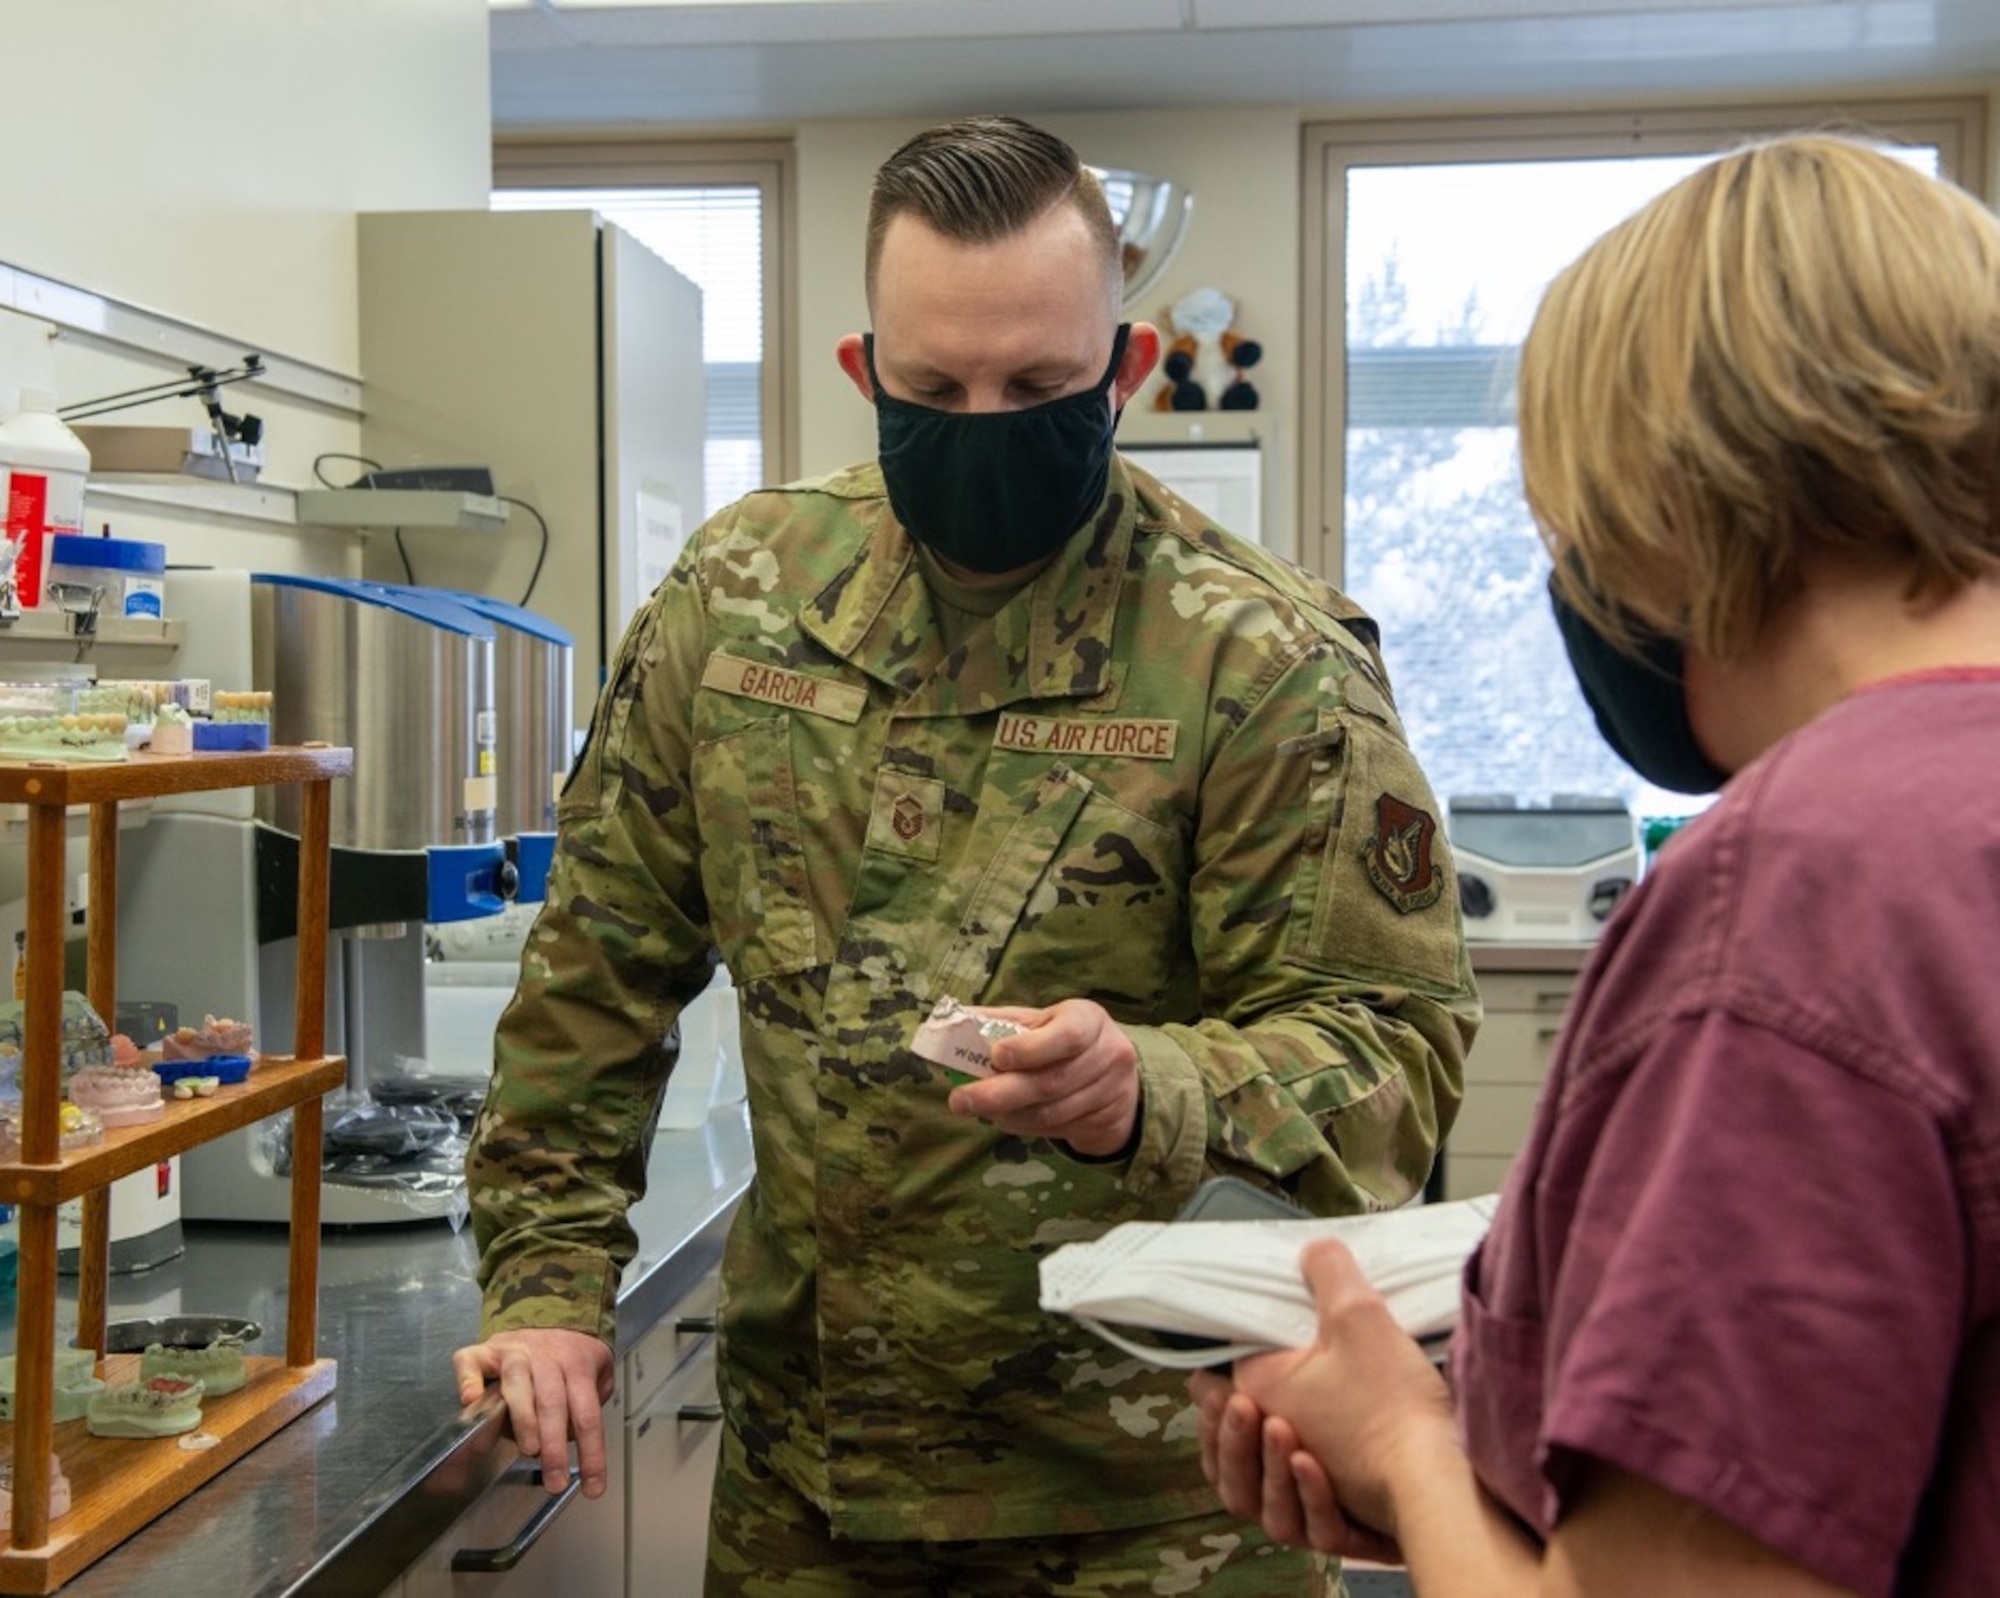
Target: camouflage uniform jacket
x,y
1171,781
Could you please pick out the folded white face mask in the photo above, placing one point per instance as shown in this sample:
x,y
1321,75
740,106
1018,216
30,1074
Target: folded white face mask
x,y
1240,1284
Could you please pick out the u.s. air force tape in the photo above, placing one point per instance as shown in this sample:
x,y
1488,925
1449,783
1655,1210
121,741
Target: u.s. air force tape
x,y
1088,735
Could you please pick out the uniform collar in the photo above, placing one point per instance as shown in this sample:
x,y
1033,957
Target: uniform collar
x,y
1053,640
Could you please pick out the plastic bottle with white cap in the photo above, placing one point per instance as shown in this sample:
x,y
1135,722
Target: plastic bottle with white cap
x,y
47,466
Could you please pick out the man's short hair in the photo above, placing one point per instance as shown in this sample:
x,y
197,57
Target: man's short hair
x,y
983,179
1797,348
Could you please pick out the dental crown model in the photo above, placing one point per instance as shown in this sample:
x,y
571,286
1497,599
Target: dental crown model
x,y
173,731
959,1038
155,1406
218,1367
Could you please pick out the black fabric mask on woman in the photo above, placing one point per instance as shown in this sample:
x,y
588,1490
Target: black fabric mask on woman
x,y
993,491
1640,703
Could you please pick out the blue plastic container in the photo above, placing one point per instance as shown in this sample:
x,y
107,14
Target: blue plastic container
x,y
130,571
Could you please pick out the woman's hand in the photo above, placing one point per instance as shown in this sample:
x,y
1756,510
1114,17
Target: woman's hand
x,y
1310,1441
1260,1473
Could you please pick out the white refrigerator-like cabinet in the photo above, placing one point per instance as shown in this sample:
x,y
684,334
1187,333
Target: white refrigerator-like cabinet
x,y
556,350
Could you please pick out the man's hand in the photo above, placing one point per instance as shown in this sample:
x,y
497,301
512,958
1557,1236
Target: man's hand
x,y
555,1382
1072,1076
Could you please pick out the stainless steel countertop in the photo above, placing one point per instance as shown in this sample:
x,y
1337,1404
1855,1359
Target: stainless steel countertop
x,y
343,1499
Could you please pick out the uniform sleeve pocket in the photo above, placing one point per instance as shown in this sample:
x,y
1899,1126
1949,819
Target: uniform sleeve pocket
x,y
1374,894
753,866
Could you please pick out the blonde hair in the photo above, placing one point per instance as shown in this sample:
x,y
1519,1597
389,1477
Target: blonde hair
x,y
1797,348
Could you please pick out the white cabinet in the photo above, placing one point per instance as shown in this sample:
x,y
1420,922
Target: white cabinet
x,y
563,354
516,1540
1504,1076
673,1432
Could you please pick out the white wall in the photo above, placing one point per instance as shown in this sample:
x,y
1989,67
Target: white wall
x,y
205,159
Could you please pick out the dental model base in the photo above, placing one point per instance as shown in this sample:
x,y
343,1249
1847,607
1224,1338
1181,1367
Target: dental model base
x,y
90,737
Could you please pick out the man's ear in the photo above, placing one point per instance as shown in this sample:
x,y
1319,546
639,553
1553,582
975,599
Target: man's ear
x,y
853,358
1142,354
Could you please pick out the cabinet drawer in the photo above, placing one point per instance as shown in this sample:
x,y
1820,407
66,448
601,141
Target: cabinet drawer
x,y
1469,1175
1504,1076
532,1545
1512,1046
670,1340
1494,1119
670,1449
1536,992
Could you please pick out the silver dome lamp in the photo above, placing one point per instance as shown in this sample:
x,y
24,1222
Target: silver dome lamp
x,y
1152,215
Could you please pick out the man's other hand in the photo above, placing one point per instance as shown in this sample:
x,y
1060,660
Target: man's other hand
x,y
555,1383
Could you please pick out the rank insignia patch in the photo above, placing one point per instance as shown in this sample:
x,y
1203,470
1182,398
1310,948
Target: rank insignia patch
x,y
1398,856
907,816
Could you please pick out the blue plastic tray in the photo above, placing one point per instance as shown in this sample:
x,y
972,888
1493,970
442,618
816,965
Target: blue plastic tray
x,y
225,1068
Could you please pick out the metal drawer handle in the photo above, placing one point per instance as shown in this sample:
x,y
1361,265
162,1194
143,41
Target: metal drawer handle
x,y
494,1561
690,1325
699,1412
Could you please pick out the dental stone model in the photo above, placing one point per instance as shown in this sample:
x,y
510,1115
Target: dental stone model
x,y
197,1087
237,720
211,1038
249,706
121,1096
135,701
164,1405
59,1494
218,1367
76,1383
958,1037
85,1039
173,731
77,1127
65,737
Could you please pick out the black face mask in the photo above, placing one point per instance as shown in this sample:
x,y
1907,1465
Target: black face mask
x,y
1640,703
992,491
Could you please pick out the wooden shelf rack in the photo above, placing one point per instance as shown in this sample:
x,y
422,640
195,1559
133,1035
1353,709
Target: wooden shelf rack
x,y
118,1485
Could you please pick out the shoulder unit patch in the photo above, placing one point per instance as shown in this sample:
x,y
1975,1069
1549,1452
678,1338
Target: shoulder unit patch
x,y
1399,855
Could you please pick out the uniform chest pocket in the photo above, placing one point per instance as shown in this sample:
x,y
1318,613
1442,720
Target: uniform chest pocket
x,y
1082,897
753,865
